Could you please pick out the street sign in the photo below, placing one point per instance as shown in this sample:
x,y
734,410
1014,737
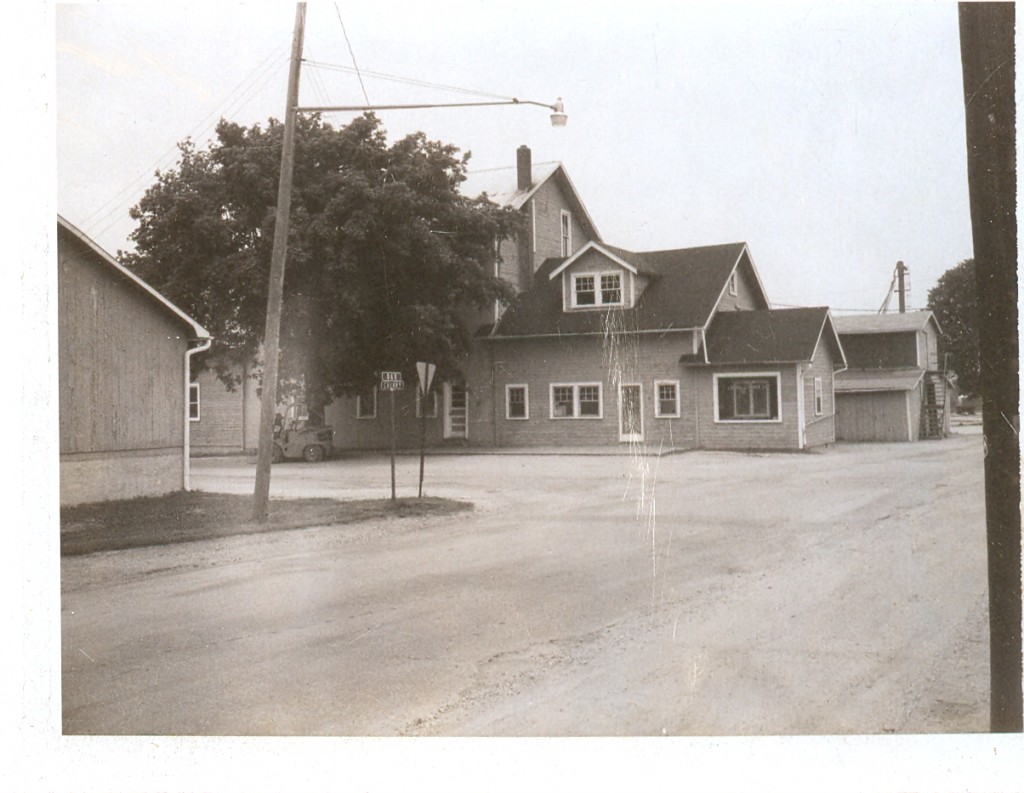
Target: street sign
x,y
426,373
392,385
386,377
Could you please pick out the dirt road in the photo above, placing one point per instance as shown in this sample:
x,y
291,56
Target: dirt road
x,y
694,594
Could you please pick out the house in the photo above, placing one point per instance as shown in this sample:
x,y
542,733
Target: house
x,y
124,391
896,388
673,349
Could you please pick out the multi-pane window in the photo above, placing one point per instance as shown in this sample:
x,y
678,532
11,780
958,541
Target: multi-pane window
x,y
747,397
586,295
611,288
819,397
733,285
193,402
516,403
666,399
576,401
597,290
566,233
366,405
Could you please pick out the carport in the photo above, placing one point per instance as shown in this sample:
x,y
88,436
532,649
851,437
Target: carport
x,y
879,405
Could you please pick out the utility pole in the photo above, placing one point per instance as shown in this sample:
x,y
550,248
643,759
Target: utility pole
x,y
901,272
987,62
275,294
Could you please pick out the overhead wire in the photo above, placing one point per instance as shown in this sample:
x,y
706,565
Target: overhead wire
x,y
405,80
352,53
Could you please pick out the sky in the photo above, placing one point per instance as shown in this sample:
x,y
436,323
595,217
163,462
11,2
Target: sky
x,y
827,136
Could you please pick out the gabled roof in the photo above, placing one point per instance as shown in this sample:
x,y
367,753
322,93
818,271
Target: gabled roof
x,y
866,380
785,335
501,186
683,291
101,255
615,254
911,321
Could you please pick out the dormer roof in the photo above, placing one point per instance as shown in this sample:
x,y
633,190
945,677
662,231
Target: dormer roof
x,y
786,335
683,290
910,321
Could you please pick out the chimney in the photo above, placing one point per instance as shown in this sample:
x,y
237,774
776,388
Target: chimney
x,y
524,168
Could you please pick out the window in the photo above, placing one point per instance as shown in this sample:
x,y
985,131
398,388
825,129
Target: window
x,y
566,233
193,402
611,289
819,397
733,285
747,397
666,399
431,405
583,290
517,402
578,401
586,293
366,405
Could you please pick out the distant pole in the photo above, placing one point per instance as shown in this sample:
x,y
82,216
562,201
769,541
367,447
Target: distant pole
x,y
275,293
900,277
392,393
987,60
423,438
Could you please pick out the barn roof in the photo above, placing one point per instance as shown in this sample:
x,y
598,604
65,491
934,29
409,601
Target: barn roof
x,y
109,261
863,380
885,323
771,336
683,291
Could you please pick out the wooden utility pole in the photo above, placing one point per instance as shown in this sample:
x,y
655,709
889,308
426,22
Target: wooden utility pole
x,y
901,273
987,56
275,293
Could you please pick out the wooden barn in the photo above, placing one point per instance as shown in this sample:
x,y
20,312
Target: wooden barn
x,y
124,388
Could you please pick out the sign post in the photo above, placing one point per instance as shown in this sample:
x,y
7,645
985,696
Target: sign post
x,y
391,382
426,374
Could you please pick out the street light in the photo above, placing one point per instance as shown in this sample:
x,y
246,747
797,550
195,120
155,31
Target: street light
x,y
558,117
275,291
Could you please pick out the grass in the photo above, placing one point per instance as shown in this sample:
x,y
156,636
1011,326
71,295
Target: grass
x,y
196,515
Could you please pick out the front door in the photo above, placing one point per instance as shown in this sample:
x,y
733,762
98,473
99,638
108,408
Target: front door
x,y
456,411
631,414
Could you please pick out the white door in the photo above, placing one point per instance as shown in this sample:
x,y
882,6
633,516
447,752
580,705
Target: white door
x,y
456,411
631,413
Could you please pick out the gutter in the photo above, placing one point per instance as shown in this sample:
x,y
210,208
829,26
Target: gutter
x,y
204,344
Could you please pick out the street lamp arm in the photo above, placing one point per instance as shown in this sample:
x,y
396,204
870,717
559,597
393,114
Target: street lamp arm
x,y
558,117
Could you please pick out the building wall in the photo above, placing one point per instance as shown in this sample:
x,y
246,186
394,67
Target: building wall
x,y
228,420
745,298
121,391
747,435
928,348
351,432
880,350
877,416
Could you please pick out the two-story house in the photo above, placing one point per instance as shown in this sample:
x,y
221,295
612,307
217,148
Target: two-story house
x,y
895,388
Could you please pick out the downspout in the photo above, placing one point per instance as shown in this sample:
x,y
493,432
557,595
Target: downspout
x,y
204,344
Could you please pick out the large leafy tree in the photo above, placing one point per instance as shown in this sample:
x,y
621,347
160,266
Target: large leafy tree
x,y
954,299
387,261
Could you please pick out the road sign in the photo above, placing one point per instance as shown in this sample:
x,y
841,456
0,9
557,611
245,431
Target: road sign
x,y
386,377
426,373
392,385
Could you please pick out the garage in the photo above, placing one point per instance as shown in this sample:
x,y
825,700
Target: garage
x,y
878,406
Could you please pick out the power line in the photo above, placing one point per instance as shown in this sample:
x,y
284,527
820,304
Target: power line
x,y
350,52
405,80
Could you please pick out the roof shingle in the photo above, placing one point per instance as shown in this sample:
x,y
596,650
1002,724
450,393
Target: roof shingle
x,y
770,336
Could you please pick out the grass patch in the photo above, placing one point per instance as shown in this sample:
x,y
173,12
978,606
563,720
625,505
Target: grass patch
x,y
196,515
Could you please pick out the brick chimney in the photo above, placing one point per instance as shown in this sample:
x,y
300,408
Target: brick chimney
x,y
524,168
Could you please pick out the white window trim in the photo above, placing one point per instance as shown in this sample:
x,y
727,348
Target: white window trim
x,y
744,376
359,405
733,284
657,399
576,401
598,298
819,397
432,413
565,232
194,387
526,401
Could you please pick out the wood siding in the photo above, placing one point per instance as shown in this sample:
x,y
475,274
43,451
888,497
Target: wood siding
x,y
820,429
877,416
228,420
880,350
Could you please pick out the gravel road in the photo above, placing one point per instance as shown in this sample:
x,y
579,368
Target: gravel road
x,y
705,593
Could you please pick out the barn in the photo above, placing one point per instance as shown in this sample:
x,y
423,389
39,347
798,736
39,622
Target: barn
x,y
124,391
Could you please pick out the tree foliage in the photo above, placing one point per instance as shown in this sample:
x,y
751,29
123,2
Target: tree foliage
x,y
386,259
954,300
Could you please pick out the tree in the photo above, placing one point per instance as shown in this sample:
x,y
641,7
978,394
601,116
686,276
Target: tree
x,y
386,259
954,300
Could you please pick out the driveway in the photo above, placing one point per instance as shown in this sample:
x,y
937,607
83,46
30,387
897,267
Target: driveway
x,y
692,594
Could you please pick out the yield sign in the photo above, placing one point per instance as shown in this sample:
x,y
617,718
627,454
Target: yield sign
x,y
426,373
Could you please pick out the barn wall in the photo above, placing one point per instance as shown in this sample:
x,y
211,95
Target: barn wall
x,y
873,416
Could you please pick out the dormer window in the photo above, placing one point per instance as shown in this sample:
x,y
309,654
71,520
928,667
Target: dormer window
x,y
566,233
733,284
585,290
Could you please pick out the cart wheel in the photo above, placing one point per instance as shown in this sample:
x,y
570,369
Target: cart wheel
x,y
313,453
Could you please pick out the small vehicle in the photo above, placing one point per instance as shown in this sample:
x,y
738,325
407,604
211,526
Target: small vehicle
x,y
295,437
